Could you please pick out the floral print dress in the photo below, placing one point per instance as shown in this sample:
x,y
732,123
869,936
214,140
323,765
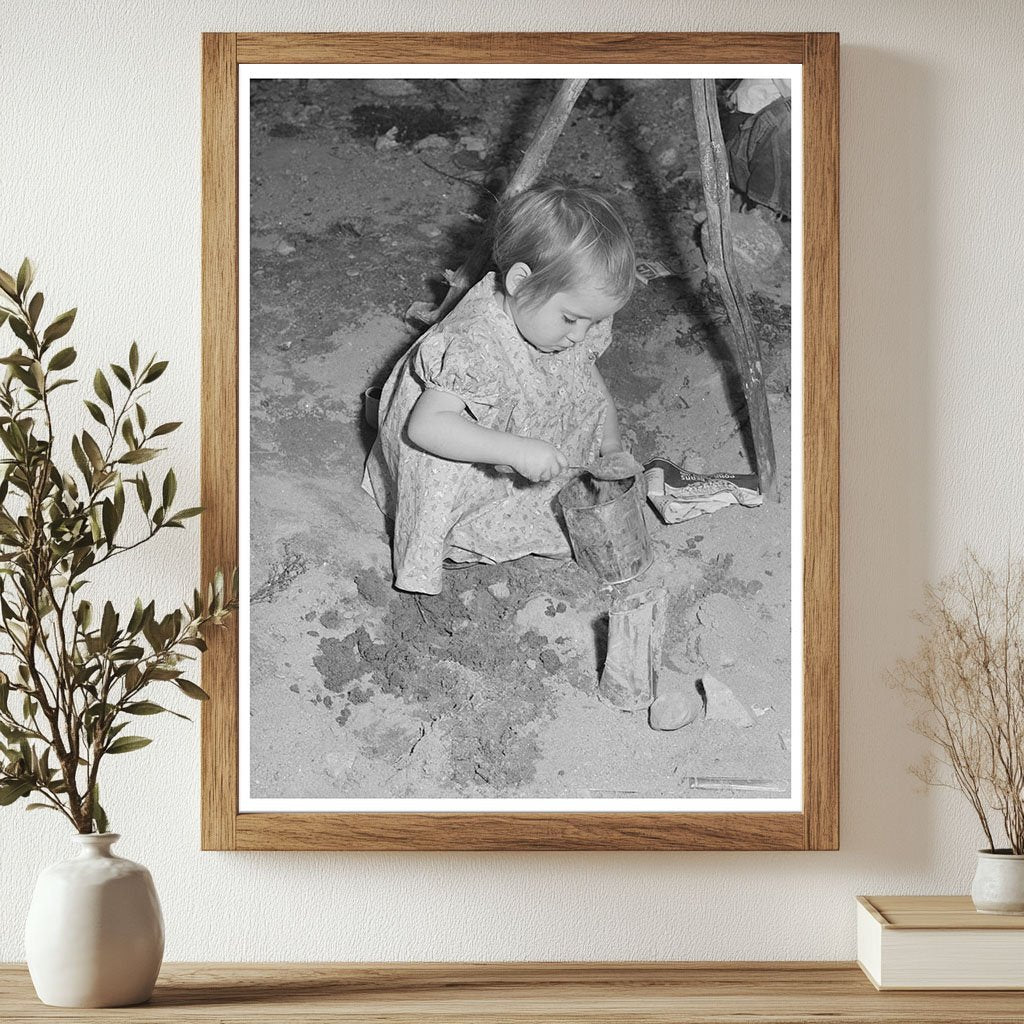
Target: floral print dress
x,y
469,512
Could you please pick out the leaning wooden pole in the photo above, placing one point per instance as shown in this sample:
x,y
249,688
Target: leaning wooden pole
x,y
743,345
533,162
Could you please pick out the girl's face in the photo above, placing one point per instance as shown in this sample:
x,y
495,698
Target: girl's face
x,y
562,320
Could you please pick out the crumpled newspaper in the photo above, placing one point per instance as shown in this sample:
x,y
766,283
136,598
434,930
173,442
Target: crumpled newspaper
x,y
678,495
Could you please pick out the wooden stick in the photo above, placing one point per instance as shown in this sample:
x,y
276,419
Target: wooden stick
x,y
743,347
533,162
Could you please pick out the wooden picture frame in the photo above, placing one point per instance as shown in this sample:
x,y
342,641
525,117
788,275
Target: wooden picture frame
x,y
816,825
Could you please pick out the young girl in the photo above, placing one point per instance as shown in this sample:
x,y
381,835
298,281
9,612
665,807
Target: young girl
x,y
481,419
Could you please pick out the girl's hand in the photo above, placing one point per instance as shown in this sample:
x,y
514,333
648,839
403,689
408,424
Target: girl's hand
x,y
538,461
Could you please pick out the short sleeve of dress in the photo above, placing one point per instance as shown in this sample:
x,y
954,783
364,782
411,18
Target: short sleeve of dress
x,y
598,338
462,364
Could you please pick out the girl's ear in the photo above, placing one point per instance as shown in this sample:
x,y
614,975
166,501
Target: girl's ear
x,y
515,276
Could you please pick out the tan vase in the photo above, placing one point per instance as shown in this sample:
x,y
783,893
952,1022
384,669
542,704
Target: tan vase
x,y
998,886
95,933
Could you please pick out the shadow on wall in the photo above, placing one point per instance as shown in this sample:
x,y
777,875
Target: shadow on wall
x,y
888,270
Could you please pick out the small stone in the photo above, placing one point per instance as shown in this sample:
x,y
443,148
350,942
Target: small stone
x,y
550,660
389,140
390,87
500,590
531,664
723,705
430,230
667,156
672,711
294,687
285,248
470,85
726,660
473,143
431,142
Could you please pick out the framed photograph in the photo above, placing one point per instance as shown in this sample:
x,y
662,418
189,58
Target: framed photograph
x,y
520,420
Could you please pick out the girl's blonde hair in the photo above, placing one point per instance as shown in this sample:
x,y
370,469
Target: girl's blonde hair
x,y
566,235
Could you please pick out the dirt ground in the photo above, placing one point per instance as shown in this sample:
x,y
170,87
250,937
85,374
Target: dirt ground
x,y
362,194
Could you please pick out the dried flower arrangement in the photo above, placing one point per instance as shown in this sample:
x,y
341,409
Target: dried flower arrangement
x,y
967,679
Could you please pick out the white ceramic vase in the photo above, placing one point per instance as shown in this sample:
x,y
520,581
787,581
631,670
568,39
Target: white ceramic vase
x,y
95,933
999,882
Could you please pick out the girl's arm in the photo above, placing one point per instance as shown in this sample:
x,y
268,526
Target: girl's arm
x,y
438,426
611,439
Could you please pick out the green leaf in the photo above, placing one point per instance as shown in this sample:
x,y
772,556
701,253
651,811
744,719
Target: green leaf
x,y
20,328
139,455
119,499
99,816
95,412
34,308
26,273
41,807
108,627
165,428
7,283
92,449
60,326
109,521
102,388
121,374
125,744
80,458
63,359
145,498
191,690
170,488
140,415
128,433
154,372
147,707
185,513
133,358
15,790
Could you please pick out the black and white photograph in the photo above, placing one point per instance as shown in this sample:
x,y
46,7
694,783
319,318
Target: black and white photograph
x,y
520,467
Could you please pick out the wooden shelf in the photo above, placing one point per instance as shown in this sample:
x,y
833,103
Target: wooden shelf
x,y
636,993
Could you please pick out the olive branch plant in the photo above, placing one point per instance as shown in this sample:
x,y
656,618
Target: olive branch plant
x,y
967,681
79,675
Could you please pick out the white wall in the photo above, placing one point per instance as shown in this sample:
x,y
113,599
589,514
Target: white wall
x,y
99,182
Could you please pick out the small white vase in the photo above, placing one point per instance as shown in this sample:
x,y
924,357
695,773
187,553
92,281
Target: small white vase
x,y
95,933
999,882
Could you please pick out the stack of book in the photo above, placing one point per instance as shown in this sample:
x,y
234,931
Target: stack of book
x,y
938,942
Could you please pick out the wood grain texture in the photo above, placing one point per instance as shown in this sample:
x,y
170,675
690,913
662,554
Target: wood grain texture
x,y
520,48
219,439
821,440
818,826
936,912
520,832
613,993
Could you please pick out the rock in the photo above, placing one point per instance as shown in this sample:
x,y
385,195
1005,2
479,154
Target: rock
x,y
285,248
723,705
390,87
668,156
431,142
756,243
672,711
389,140
430,230
474,143
500,590
470,85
